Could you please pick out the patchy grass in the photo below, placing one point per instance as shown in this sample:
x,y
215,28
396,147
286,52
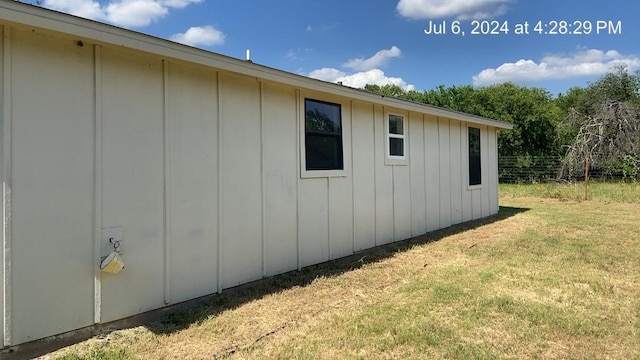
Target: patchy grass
x,y
606,192
544,279
98,353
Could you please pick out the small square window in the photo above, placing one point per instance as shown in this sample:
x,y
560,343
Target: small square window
x,y
396,139
396,147
395,125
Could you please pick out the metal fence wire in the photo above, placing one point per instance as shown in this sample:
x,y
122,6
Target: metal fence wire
x,y
537,169
528,169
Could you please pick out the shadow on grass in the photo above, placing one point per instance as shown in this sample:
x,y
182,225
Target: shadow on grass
x,y
180,316
206,307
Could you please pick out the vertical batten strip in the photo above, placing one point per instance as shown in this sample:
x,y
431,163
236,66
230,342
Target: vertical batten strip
x,y
263,194
461,188
449,175
407,146
167,182
353,185
329,216
375,180
97,190
439,175
219,174
424,169
298,173
462,127
6,182
393,196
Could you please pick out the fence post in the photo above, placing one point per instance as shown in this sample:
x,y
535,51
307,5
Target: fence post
x,y
586,178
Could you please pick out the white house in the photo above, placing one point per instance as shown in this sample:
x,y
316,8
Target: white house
x,y
208,171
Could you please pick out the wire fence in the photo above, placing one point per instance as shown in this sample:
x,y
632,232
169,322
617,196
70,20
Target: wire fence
x,y
539,169
528,169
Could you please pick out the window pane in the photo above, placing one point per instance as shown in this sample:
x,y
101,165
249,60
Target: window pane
x,y
475,168
324,151
323,136
396,125
321,116
396,146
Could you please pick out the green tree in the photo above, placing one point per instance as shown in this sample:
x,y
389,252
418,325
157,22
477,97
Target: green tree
x,y
606,123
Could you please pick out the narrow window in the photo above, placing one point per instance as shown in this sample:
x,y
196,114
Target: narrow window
x,y
396,137
475,168
323,135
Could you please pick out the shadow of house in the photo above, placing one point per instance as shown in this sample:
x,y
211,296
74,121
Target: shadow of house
x,y
181,316
201,309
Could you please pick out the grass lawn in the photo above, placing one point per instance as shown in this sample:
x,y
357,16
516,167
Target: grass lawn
x,y
549,277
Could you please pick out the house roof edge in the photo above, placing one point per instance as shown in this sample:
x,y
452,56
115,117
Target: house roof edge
x,y
18,13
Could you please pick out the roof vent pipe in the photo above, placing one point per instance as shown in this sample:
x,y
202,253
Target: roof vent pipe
x,y
248,55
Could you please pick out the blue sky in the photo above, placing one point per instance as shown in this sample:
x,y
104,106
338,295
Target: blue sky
x,y
384,41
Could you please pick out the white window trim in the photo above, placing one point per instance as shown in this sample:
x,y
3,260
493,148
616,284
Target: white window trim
x,y
394,159
466,136
346,135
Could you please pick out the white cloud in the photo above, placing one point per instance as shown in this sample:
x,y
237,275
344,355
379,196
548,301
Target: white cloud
x,y
359,79
135,13
128,13
381,58
83,8
200,36
459,9
583,62
327,74
368,72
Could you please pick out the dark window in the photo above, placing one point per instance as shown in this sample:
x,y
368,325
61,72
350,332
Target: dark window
x,y
475,169
323,135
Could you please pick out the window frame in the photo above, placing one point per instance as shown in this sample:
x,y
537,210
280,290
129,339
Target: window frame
x,y
395,159
344,135
471,184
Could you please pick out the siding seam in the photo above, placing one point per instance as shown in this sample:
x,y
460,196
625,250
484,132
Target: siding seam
x,y
262,181
167,182
424,170
449,176
329,216
97,243
298,174
393,196
407,146
6,180
219,175
353,197
439,176
375,180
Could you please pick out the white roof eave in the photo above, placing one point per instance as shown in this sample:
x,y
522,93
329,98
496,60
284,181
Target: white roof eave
x,y
20,14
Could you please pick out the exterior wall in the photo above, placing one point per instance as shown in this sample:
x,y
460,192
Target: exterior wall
x,y
4,126
201,169
51,185
193,185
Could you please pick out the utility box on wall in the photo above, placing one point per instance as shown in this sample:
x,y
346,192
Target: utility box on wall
x,y
112,239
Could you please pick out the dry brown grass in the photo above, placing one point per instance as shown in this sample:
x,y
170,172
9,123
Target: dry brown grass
x,y
558,280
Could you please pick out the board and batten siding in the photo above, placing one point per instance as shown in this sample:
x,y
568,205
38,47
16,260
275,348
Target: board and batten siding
x,y
201,170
